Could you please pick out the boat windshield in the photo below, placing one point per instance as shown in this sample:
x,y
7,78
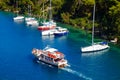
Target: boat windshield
x,y
58,59
103,43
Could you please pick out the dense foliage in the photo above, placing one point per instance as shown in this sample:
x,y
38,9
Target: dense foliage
x,y
74,12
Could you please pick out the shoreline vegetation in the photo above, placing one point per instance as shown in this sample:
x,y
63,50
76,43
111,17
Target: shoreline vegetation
x,y
77,13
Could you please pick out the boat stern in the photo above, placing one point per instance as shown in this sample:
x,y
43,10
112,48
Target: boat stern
x,y
63,63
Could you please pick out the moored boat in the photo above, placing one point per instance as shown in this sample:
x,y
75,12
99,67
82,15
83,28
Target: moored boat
x,y
18,18
95,47
32,23
29,18
61,31
51,56
47,26
48,32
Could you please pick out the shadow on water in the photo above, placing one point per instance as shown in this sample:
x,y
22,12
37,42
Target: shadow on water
x,y
51,37
45,67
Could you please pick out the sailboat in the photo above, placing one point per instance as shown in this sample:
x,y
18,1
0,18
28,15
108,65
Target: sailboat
x,y
31,21
95,46
47,25
18,17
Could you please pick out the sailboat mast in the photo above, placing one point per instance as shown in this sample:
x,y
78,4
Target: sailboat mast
x,y
93,25
43,11
29,10
50,12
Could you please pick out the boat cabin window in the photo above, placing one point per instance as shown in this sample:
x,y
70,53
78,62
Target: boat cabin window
x,y
48,58
103,43
42,56
56,60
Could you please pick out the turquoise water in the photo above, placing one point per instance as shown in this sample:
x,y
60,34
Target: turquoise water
x,y
17,62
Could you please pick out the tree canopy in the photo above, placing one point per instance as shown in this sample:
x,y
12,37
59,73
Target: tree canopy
x,y
74,12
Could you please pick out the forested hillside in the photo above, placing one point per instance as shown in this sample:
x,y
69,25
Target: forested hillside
x,y
74,12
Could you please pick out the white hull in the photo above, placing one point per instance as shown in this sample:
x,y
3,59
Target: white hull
x,y
60,31
54,63
19,18
29,18
49,23
94,48
48,32
32,22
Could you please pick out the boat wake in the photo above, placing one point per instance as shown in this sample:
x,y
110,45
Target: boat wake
x,y
70,71
76,73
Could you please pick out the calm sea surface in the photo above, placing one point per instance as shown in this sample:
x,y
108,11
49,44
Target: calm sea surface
x,y
17,63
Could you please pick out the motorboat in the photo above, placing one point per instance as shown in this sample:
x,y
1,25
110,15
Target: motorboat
x,y
61,31
48,32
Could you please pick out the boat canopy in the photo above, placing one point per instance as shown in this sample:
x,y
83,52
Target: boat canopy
x,y
50,49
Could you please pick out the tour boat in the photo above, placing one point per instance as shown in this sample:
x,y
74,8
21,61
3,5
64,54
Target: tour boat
x,y
95,46
61,31
50,56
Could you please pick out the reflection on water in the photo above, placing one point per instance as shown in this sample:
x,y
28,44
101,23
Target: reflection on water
x,y
95,53
47,40
51,37
102,65
61,37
